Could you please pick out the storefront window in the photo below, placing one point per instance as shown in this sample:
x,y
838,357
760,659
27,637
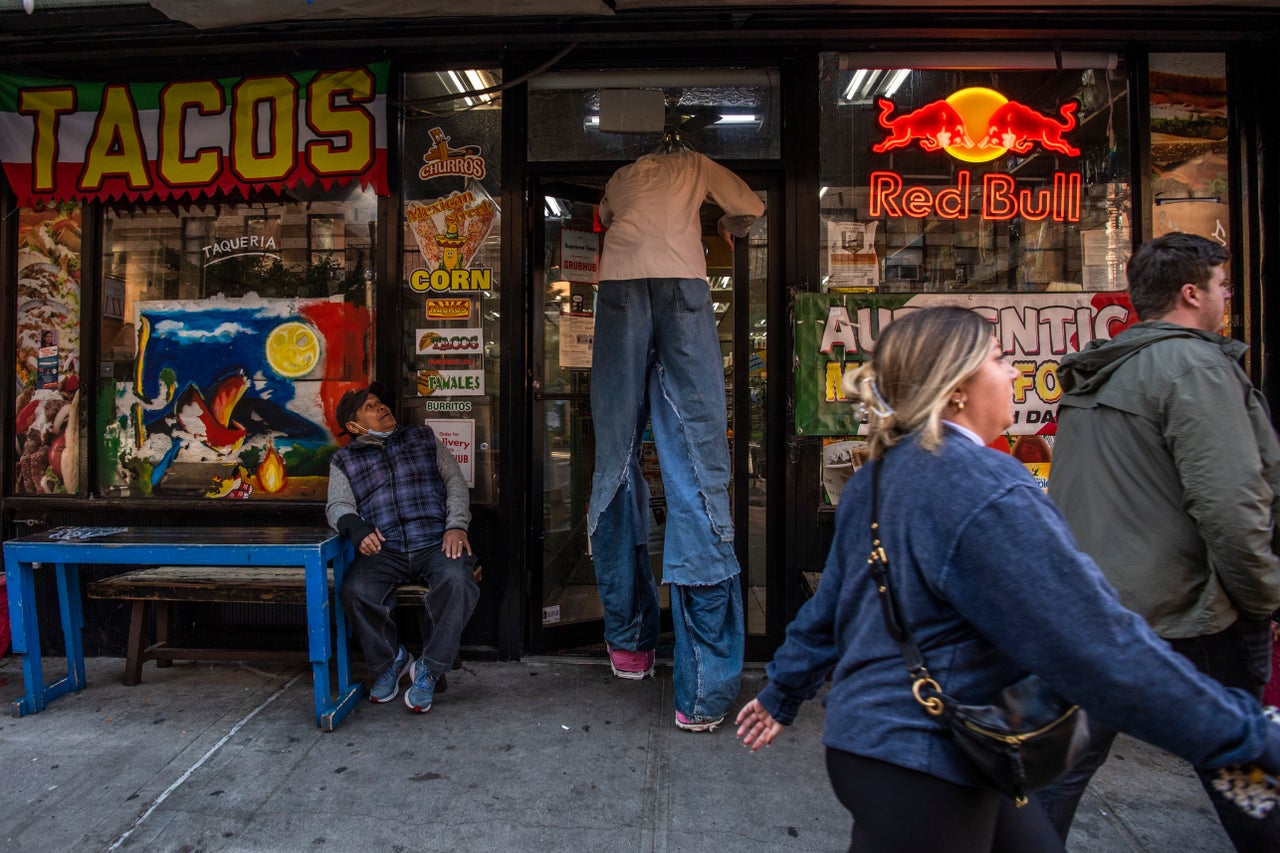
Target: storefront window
x,y
1188,112
997,182
723,113
229,331
452,266
49,410
958,179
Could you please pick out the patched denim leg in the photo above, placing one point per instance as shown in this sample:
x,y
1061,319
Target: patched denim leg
x,y
708,649
687,406
618,520
624,577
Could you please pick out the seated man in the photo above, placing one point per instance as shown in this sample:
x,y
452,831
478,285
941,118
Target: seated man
x,y
400,497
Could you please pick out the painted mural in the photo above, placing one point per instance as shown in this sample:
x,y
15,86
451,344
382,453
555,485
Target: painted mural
x,y
47,407
233,399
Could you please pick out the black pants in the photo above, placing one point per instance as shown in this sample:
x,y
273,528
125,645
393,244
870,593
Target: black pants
x,y
1240,657
896,810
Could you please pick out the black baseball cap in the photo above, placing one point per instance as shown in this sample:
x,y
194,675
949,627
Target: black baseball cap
x,y
354,399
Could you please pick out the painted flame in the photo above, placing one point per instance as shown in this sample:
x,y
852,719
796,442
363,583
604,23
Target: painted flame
x,y
271,473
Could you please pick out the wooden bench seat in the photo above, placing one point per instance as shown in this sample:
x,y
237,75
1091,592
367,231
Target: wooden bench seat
x,y
153,589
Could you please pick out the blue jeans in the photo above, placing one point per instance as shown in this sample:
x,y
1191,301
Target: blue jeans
x,y
657,357
369,597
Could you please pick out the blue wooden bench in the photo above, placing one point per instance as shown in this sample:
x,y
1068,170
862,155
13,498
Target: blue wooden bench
x,y
153,590
320,552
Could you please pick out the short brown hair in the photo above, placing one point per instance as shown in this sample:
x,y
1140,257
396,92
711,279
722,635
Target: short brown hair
x,y
1160,267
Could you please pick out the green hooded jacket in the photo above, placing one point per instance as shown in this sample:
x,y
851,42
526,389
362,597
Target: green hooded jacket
x,y
1167,469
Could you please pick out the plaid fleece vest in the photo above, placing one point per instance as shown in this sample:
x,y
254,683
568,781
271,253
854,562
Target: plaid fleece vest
x,y
397,486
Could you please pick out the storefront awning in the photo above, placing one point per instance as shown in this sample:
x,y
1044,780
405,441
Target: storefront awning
x,y
234,13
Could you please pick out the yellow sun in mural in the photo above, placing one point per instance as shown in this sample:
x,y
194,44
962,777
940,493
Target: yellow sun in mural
x,y
293,349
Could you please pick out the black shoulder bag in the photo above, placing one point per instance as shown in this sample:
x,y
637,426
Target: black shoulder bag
x,y
1024,741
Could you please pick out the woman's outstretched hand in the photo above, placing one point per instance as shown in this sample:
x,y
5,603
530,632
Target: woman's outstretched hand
x,y
756,728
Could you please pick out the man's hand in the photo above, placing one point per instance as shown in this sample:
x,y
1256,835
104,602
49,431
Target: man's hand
x,y
454,543
372,543
724,234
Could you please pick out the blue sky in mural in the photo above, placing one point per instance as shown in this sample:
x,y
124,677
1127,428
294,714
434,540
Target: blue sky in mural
x,y
199,360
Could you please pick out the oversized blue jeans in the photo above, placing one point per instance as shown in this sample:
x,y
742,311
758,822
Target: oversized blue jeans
x,y
657,356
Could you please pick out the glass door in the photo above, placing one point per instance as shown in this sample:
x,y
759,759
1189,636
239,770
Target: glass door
x,y
567,238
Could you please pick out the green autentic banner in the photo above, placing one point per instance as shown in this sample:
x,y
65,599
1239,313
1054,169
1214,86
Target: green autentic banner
x,y
821,407
836,331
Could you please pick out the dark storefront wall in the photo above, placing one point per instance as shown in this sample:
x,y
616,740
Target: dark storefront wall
x,y
798,261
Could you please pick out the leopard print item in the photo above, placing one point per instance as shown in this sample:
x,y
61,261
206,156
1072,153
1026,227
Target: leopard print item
x,y
1251,789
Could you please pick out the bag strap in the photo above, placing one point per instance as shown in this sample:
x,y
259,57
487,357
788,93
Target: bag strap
x,y
923,687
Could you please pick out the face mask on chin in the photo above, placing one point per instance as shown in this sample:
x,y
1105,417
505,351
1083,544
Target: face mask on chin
x,y
374,433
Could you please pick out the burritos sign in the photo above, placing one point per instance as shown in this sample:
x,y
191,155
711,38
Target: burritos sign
x,y
63,140
835,332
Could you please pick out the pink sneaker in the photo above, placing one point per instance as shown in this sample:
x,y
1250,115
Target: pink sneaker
x,y
632,665
698,724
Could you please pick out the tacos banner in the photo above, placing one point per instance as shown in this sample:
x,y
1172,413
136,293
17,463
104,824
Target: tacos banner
x,y
836,331
62,140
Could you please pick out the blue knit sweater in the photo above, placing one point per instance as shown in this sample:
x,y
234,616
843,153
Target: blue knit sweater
x,y
993,587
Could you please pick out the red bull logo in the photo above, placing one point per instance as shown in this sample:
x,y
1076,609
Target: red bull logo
x,y
977,125
1002,199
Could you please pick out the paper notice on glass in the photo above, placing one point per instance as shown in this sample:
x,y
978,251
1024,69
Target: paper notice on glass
x,y
579,255
852,255
577,333
459,436
1103,254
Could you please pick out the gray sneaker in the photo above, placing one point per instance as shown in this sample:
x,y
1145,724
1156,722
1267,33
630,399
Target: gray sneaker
x,y
387,685
422,692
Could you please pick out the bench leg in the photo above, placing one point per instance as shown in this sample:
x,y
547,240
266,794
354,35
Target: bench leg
x,y
133,655
164,621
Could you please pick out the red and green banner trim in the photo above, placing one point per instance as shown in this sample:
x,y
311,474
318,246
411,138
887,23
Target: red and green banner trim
x,y
62,140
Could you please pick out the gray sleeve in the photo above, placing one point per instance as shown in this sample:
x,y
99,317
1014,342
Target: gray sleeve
x,y
342,501
1213,445
457,495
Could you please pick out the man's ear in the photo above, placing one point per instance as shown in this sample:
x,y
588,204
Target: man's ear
x,y
1191,294
355,428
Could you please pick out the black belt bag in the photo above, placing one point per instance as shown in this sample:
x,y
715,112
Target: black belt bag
x,y
1028,738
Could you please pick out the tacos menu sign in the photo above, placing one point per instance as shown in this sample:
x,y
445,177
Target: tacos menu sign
x,y
62,140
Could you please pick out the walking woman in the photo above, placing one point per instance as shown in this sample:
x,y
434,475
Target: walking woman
x,y
991,584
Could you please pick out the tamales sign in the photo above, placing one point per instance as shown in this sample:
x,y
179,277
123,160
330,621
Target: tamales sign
x,y
62,140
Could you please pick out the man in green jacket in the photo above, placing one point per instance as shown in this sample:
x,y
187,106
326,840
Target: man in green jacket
x,y
1167,469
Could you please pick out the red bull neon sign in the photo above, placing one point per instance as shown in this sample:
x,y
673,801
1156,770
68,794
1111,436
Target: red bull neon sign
x,y
977,125
1001,198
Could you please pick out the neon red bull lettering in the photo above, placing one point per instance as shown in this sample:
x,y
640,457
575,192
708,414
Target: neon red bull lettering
x,y
977,125
1001,198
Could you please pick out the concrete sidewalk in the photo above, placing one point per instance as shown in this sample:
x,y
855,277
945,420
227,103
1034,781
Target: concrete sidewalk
x,y
544,754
